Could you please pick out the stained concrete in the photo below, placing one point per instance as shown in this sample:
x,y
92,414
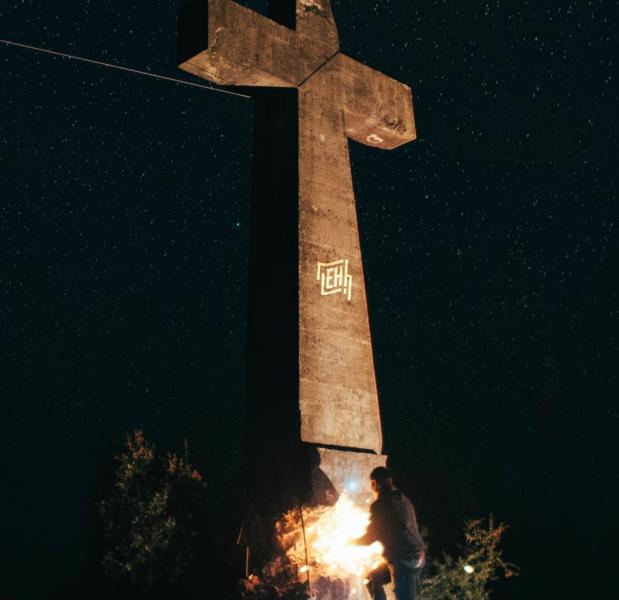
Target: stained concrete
x,y
245,48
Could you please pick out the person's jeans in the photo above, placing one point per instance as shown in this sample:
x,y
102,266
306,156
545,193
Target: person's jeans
x,y
404,581
404,577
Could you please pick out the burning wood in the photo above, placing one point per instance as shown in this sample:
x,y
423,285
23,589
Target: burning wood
x,y
254,588
320,545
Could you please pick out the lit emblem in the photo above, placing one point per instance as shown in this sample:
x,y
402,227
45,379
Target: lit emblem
x,y
334,278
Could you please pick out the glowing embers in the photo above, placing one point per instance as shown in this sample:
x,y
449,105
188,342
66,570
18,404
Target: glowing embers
x,y
328,543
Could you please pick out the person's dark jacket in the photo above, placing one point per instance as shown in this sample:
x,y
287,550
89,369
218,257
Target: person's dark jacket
x,y
393,523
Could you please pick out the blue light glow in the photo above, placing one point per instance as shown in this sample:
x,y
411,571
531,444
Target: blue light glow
x,y
353,485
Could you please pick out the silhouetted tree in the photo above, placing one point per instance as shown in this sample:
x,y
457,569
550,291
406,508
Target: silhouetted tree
x,y
150,518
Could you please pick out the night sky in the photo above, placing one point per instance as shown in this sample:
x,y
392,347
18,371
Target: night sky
x,y
490,246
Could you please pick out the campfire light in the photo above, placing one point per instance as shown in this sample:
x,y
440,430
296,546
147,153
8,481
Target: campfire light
x,y
330,532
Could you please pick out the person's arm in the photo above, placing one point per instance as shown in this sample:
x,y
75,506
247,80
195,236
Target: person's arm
x,y
371,534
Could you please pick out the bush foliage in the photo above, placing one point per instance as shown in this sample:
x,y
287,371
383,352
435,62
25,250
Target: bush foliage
x,y
150,518
467,576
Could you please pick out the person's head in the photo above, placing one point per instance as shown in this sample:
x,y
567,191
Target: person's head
x,y
380,479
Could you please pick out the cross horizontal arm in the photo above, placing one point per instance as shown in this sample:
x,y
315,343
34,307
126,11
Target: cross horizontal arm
x,y
229,44
378,110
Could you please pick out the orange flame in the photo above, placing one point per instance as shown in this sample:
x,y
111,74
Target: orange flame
x,y
330,532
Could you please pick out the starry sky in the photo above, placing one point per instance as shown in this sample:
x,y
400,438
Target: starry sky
x,y
490,246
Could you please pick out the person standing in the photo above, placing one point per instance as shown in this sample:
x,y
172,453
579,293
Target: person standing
x,y
393,522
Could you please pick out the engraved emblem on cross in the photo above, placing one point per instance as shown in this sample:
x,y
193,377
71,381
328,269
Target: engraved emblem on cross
x,y
334,278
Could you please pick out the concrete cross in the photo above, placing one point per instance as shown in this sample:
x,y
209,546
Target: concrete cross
x,y
335,98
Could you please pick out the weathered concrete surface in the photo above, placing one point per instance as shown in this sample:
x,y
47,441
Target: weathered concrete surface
x,y
338,98
349,471
338,396
246,48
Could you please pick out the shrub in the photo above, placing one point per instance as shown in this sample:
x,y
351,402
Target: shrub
x,y
468,576
150,517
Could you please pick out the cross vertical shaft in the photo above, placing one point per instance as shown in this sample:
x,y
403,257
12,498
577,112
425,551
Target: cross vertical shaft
x,y
338,397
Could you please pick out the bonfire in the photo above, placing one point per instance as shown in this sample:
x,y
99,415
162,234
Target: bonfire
x,y
319,544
